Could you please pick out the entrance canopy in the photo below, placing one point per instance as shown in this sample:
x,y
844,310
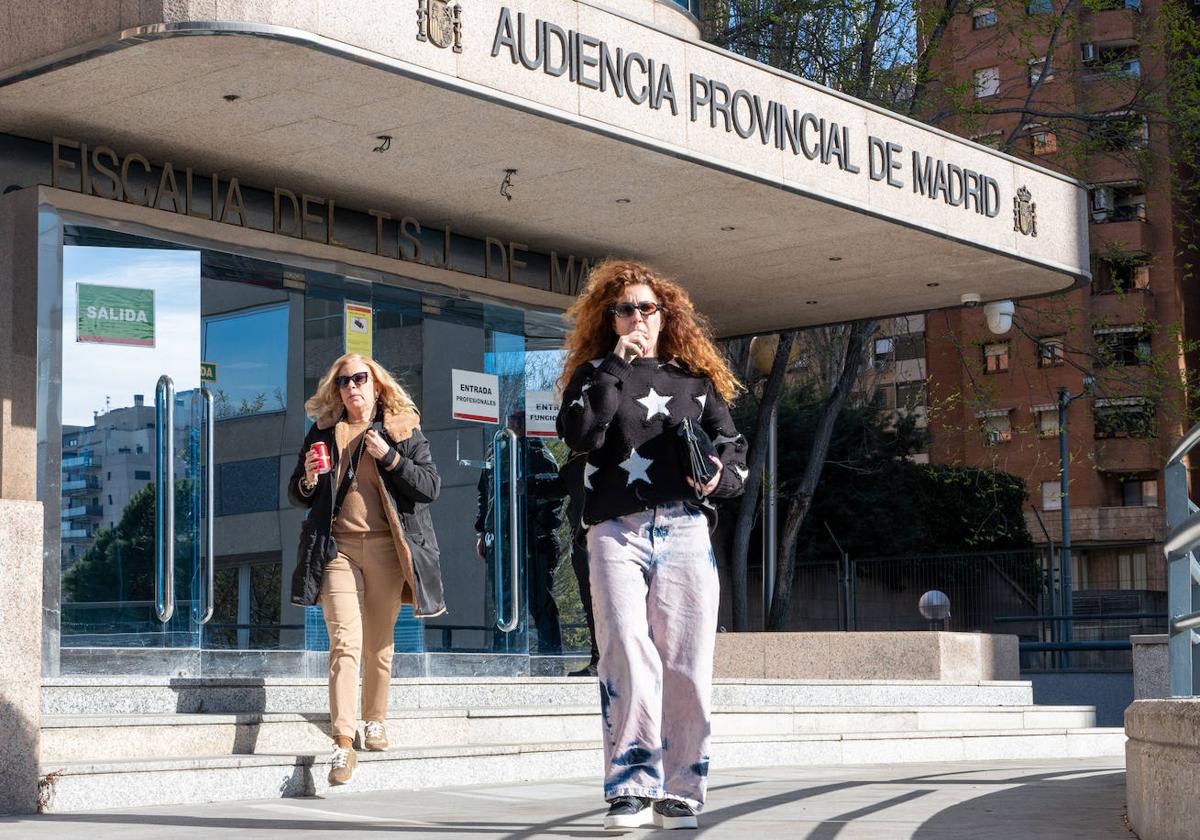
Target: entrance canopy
x,y
777,202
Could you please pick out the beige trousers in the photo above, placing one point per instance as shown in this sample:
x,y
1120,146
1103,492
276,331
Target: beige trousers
x,y
360,596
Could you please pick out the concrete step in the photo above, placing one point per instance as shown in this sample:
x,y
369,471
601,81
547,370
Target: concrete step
x,y
129,737
92,785
164,695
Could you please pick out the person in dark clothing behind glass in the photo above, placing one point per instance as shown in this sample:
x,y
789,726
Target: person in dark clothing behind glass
x,y
543,498
571,477
640,363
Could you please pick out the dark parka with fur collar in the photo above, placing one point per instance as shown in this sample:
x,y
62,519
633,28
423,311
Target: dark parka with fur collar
x,y
406,491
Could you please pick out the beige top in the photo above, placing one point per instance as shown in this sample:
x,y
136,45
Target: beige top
x,y
362,510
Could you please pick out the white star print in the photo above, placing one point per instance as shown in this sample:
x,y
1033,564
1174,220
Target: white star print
x,y
720,439
703,398
636,466
588,469
655,404
586,385
578,401
595,362
741,473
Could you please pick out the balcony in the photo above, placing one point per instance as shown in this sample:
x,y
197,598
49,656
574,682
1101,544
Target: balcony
x,y
1130,307
1128,455
1103,524
1124,235
82,511
76,485
1117,24
81,461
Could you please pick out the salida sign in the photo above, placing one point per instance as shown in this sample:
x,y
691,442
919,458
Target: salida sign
x,y
115,315
590,62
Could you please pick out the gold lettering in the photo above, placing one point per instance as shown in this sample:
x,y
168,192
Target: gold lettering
x,y
166,182
190,196
58,162
110,174
278,215
410,229
379,217
85,177
330,239
513,262
488,245
305,216
129,196
446,249
567,282
234,203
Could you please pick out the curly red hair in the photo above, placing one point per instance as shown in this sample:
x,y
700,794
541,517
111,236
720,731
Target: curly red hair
x,y
684,337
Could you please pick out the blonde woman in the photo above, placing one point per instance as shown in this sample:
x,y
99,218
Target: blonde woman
x,y
639,364
367,546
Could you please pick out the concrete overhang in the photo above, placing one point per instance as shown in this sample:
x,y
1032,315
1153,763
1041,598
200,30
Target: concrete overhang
x,y
764,237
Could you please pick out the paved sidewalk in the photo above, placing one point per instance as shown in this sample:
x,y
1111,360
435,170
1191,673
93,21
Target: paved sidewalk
x,y
999,800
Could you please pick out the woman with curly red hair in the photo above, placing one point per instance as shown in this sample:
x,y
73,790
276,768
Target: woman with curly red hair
x,y
641,364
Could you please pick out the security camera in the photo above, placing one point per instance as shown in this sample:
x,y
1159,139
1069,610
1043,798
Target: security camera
x,y
999,316
971,299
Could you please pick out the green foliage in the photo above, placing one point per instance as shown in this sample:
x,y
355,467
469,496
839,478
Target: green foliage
x,y
880,503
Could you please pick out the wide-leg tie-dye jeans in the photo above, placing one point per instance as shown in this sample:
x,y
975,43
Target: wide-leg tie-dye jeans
x,y
655,594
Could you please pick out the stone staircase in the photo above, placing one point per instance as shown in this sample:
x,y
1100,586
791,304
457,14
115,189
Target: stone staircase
x,y
111,742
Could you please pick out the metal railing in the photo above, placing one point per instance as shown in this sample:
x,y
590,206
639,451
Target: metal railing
x,y
1183,573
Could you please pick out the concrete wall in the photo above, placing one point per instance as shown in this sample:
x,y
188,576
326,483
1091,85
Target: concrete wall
x,y
20,653
1151,671
1161,757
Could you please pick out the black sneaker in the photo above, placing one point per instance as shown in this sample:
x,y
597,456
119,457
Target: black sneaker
x,y
674,813
628,812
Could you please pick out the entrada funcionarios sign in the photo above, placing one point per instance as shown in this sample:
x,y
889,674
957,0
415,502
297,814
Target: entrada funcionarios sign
x,y
590,62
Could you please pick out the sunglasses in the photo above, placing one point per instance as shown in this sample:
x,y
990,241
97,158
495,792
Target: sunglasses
x,y
359,379
646,307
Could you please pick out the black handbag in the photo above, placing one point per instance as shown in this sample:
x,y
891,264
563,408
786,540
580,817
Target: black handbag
x,y
695,447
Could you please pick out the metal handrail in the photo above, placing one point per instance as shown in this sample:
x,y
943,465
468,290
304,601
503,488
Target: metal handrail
x,y
514,543
164,500
208,558
1183,572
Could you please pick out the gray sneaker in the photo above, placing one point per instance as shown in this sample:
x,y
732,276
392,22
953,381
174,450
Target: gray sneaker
x,y
627,812
342,764
374,736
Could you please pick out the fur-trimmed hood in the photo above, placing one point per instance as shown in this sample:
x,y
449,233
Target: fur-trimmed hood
x,y
398,425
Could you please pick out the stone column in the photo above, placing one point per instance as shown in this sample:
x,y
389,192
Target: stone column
x,y
21,653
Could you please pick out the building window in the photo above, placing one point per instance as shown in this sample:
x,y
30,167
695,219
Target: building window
x,y
1121,275
1132,417
1131,570
1039,7
1039,71
1118,203
141,475
910,396
882,356
1042,141
1122,346
1120,132
987,82
995,357
983,17
1051,495
996,424
1139,493
1047,420
1050,352
909,347
246,387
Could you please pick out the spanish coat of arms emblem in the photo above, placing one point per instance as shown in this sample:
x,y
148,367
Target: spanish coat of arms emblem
x,y
439,23
1024,213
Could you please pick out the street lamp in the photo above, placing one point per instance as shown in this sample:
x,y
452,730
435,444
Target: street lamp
x,y
1065,398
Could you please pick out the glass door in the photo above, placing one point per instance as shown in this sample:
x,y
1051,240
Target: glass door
x,y
133,430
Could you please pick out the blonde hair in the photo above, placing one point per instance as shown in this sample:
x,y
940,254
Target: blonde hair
x,y
685,336
326,406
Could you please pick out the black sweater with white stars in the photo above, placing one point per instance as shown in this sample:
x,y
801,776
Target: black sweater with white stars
x,y
624,416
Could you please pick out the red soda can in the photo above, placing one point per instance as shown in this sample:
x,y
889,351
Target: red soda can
x,y
324,464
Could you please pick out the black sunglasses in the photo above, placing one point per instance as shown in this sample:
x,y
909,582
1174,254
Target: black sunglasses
x,y
359,379
646,307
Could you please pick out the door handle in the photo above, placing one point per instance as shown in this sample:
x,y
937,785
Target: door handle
x,y
205,604
164,499
514,541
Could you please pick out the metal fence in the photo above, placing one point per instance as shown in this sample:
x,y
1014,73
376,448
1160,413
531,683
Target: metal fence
x,y
1118,591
